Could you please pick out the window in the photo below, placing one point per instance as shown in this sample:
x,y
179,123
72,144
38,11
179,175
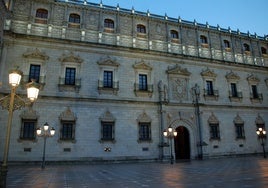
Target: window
x,y
144,131
143,82
234,90
108,79
203,39
41,13
74,18
107,131
34,73
141,28
41,16
209,87
214,131
174,34
239,129
67,131
254,92
226,44
263,51
246,47
108,23
28,129
70,76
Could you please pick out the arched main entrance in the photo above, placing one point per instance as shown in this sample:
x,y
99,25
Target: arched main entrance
x,y
182,143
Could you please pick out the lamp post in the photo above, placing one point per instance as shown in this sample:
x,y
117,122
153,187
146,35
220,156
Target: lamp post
x,y
45,134
261,132
170,133
13,102
195,95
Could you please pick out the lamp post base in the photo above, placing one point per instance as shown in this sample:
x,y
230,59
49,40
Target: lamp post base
x,y
3,176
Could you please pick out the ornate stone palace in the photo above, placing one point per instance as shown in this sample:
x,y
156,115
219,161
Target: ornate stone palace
x,y
112,80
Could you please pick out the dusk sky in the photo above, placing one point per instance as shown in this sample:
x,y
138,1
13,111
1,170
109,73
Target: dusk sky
x,y
245,15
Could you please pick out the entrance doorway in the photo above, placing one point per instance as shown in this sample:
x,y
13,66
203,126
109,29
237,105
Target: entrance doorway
x,y
182,143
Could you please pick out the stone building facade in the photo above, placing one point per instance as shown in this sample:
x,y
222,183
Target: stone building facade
x,y
112,80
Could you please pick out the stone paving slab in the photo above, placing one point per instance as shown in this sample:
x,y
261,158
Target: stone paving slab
x,y
243,172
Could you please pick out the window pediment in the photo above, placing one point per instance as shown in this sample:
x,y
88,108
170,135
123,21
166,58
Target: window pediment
x,y
142,65
67,115
35,54
253,79
29,114
213,119
107,117
71,58
208,73
108,61
232,76
259,120
238,120
144,118
178,70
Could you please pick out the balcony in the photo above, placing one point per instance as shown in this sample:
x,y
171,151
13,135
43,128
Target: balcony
x,y
108,88
256,97
211,94
71,86
235,97
143,91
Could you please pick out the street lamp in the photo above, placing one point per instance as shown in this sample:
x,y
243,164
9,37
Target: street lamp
x,y
262,134
45,134
13,102
195,95
170,133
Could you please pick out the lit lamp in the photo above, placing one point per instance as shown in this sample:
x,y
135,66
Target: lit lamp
x,y
170,133
45,134
262,134
12,103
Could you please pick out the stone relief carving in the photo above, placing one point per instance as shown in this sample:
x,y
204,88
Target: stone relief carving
x,y
179,88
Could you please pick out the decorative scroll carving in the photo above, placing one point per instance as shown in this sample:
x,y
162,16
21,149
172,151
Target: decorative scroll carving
x,y
67,115
35,54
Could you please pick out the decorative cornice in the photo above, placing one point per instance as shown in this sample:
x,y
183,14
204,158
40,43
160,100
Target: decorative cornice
x,y
144,118
259,120
70,58
107,117
238,120
208,73
29,114
213,119
67,115
142,65
253,79
232,76
108,61
35,54
178,70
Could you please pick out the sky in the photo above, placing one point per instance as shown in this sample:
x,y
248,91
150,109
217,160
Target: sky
x,y
245,15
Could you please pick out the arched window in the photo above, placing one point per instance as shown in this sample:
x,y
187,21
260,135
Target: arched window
x,y
74,20
226,44
246,47
263,51
141,28
108,23
174,34
203,39
41,16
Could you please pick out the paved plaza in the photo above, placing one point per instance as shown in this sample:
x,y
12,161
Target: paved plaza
x,y
224,172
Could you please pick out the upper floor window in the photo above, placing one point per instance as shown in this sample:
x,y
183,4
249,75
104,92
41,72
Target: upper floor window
x,y
234,90
34,73
263,51
246,47
108,23
74,20
203,39
70,76
41,16
209,87
174,34
108,79
226,44
143,82
141,28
